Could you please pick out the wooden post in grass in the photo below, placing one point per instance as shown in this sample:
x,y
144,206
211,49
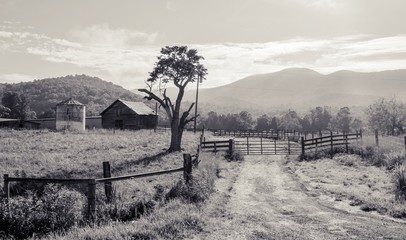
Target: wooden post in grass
x,y
215,148
303,148
108,188
376,137
230,146
261,145
91,199
288,147
405,143
248,146
6,187
331,144
187,167
275,146
346,143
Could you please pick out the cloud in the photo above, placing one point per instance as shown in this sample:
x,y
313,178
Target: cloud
x,y
127,63
104,35
16,78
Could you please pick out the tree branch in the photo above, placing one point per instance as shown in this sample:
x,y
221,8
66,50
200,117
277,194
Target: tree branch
x,y
159,100
183,120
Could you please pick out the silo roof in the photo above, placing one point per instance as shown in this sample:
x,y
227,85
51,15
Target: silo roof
x,y
71,101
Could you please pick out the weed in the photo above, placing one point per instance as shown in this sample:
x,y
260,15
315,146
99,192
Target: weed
x,y
399,179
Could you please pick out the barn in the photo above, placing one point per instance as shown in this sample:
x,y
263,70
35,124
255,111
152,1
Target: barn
x,y
128,115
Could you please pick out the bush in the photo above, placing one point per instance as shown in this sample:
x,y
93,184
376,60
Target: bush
x,y
56,210
234,156
399,179
200,186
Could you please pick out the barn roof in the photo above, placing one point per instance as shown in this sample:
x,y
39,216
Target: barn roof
x,y
139,108
70,101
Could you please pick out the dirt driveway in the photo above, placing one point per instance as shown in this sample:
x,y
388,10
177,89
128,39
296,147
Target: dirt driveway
x,y
267,202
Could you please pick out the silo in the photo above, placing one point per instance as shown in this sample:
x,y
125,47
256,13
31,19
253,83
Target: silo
x,y
70,115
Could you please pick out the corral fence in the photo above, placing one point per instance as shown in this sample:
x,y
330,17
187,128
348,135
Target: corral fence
x,y
266,146
188,163
292,135
253,143
332,141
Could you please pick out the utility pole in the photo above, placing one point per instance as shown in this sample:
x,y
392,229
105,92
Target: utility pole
x,y
197,98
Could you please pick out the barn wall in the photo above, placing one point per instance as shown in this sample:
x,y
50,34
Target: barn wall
x,y
48,123
130,120
93,122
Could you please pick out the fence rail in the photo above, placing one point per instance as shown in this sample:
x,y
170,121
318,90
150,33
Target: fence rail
x,y
331,142
188,164
264,146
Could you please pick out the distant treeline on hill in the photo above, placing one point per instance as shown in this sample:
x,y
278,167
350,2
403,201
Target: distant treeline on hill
x,y
44,94
318,119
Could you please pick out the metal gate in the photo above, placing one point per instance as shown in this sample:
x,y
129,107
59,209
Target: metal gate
x,y
266,146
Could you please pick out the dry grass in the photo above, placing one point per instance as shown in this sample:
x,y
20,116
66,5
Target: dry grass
x,y
44,153
350,177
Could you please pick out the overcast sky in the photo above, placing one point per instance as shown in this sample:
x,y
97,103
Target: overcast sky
x,y
119,40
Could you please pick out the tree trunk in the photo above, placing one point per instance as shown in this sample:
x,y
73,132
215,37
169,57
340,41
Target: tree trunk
x,y
176,138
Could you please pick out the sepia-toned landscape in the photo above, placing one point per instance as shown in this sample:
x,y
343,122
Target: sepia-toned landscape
x,y
178,119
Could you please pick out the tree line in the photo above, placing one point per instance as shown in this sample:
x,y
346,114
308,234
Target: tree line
x,y
386,115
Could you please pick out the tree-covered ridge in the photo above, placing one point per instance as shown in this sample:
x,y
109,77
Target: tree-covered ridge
x,y
94,92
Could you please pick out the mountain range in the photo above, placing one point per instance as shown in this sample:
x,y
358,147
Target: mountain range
x,y
293,88
305,88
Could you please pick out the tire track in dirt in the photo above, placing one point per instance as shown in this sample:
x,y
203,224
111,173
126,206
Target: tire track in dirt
x,y
267,202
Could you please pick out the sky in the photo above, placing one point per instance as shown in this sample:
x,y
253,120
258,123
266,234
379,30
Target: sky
x,y
119,41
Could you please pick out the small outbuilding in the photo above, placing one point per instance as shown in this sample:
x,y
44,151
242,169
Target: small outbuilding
x,y
18,123
129,115
70,115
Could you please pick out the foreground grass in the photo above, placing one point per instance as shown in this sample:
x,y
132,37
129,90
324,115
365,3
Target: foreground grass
x,y
80,155
351,177
179,214
43,153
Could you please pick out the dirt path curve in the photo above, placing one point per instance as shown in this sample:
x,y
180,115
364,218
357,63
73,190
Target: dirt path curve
x,y
267,202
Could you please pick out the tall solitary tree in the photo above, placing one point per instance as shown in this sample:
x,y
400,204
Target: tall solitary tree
x,y
180,66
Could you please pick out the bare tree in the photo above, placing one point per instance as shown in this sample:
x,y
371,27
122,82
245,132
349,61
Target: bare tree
x,y
180,66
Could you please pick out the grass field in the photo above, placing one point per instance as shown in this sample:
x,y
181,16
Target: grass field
x,y
80,155
349,177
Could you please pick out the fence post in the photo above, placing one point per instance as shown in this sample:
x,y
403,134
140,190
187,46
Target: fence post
x,y
230,146
303,148
275,146
331,143
346,143
6,189
376,137
288,146
187,167
215,148
261,145
248,146
108,188
405,143
91,199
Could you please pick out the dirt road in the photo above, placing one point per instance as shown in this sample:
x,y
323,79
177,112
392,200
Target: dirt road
x,y
267,202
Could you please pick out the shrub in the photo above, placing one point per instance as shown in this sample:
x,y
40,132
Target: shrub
x,y
200,186
399,178
234,156
56,210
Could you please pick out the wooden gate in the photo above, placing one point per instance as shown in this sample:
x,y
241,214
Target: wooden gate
x,y
266,146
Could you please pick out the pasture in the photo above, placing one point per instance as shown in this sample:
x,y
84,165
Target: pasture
x,y
80,155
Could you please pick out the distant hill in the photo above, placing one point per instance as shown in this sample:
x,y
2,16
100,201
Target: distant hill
x,y
304,88
94,92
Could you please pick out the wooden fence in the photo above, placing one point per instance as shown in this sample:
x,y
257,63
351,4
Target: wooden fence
x,y
280,134
332,141
265,146
188,164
